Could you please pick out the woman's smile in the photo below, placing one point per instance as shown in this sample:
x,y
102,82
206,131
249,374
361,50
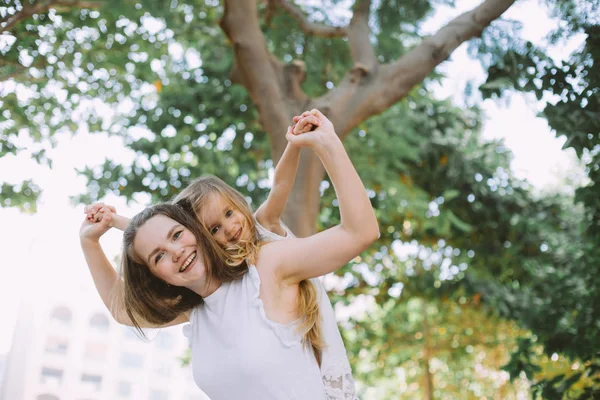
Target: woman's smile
x,y
188,262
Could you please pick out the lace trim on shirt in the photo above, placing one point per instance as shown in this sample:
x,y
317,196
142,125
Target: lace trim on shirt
x,y
188,329
286,333
269,236
338,381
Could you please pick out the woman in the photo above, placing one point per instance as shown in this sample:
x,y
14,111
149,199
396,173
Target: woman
x,y
244,320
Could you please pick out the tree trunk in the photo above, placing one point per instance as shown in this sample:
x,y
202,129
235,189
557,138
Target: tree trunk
x,y
428,379
302,208
367,89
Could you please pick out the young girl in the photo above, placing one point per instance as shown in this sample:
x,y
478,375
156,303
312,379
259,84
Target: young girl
x,y
226,215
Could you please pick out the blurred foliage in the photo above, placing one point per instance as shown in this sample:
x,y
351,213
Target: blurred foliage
x,y
23,196
569,87
472,272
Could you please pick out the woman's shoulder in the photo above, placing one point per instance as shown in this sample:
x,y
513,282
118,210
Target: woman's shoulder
x,y
270,254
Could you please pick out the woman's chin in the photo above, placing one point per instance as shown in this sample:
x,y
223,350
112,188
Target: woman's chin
x,y
193,274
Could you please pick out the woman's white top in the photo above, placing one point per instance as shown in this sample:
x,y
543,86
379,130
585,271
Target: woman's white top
x,y
238,353
335,367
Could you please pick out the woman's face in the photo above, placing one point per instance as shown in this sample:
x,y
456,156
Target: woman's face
x,y
224,221
171,252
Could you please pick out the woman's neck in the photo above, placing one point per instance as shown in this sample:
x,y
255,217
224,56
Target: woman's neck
x,y
207,289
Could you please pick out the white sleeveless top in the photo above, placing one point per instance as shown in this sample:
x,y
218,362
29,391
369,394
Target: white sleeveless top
x,y
273,365
335,367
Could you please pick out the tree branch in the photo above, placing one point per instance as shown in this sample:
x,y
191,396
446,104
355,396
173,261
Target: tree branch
x,y
311,28
257,69
294,75
420,61
359,35
358,100
13,75
8,22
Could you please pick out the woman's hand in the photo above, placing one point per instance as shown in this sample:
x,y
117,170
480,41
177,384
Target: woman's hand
x,y
323,133
307,124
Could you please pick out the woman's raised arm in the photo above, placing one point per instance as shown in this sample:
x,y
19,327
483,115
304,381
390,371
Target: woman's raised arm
x,y
297,259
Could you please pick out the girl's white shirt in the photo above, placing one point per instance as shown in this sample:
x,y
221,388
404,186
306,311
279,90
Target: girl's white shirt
x,y
335,367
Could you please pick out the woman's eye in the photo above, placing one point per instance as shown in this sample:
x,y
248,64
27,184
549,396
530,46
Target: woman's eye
x,y
176,235
228,213
158,258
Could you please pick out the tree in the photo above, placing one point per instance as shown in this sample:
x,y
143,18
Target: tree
x,y
26,62
189,98
570,88
368,87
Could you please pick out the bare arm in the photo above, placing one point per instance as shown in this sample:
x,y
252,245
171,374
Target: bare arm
x,y
297,259
108,284
120,222
106,280
269,213
92,212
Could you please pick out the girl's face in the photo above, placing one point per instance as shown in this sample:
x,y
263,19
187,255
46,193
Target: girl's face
x,y
171,252
224,221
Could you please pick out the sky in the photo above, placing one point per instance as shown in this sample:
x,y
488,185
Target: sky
x,y
41,253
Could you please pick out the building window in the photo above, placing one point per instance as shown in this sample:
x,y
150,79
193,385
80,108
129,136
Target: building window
x,y
162,369
95,351
92,383
130,334
51,376
131,360
196,397
61,316
46,397
57,345
124,389
165,341
99,323
158,395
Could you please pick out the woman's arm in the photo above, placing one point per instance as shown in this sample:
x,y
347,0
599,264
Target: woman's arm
x,y
297,259
107,282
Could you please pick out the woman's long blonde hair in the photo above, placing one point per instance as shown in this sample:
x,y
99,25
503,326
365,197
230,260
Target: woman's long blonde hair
x,y
196,194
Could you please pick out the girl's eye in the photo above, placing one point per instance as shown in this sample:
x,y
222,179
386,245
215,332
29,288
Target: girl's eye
x,y
214,230
229,213
158,257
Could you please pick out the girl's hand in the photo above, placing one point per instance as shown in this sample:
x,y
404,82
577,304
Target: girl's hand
x,y
307,124
94,227
314,139
92,211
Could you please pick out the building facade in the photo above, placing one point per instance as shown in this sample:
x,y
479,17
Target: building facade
x,y
71,349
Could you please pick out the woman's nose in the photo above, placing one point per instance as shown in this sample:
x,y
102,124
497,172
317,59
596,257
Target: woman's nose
x,y
177,253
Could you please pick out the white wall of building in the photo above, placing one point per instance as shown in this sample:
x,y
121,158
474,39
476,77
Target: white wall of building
x,y
69,347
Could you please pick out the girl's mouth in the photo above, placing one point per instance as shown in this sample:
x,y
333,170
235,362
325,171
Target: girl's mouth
x,y
237,236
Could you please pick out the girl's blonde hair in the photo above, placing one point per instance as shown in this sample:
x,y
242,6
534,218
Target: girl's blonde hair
x,y
196,194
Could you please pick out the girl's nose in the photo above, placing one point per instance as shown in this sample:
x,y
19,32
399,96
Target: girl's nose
x,y
228,229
